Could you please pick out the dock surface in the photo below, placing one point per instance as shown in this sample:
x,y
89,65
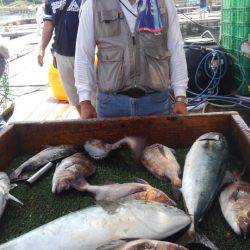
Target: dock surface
x,y
34,100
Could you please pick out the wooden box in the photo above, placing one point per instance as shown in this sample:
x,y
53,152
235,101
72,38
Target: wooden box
x,y
176,132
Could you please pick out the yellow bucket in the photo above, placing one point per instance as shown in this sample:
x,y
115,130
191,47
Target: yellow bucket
x,y
56,84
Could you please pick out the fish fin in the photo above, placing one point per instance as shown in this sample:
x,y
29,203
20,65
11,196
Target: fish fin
x,y
176,185
244,224
234,195
112,245
173,151
12,186
109,206
191,237
11,197
203,240
176,192
139,180
228,178
14,178
239,173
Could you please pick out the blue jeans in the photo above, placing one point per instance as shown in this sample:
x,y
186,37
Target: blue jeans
x,y
116,105
2,123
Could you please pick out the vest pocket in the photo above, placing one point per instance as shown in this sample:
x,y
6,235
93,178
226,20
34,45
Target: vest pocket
x,y
109,23
110,69
157,68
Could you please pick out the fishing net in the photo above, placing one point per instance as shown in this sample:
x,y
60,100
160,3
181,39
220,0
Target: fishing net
x,y
6,101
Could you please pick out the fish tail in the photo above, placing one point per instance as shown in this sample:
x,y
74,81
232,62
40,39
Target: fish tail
x,y
192,237
136,144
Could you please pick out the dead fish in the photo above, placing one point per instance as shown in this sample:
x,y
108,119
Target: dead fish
x,y
161,162
73,168
235,206
95,226
5,187
203,175
125,191
47,155
99,149
142,244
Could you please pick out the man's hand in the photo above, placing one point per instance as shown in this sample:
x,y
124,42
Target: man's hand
x,y
40,57
180,108
87,110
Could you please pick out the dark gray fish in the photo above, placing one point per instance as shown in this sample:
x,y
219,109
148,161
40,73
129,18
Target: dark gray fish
x,y
70,170
99,149
47,155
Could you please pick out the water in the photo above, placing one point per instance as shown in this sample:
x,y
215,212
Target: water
x,y
8,16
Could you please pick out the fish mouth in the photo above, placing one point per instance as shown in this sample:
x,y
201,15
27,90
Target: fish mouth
x,y
212,136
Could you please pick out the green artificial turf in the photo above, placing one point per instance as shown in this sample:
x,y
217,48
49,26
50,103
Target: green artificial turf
x,y
41,206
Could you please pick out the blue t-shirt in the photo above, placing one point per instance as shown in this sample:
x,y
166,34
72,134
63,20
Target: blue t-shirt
x,y
68,29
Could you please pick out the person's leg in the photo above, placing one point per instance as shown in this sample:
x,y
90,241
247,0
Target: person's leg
x,y
113,105
154,104
65,67
2,123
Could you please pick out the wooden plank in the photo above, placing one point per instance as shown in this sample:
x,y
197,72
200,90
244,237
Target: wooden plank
x,y
9,145
241,139
173,131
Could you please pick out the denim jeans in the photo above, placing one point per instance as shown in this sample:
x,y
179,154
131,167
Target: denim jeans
x,y
116,105
2,123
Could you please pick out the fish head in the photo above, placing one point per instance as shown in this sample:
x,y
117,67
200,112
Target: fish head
x,y
214,142
168,219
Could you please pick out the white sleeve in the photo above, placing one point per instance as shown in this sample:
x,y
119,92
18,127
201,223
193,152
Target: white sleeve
x,y
178,64
85,53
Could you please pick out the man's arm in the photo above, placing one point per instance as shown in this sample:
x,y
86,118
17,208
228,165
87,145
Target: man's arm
x,y
177,64
84,60
46,36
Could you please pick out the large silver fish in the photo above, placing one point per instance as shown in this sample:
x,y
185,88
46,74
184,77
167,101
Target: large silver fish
x,y
142,244
99,149
4,192
235,206
70,170
47,155
95,226
203,174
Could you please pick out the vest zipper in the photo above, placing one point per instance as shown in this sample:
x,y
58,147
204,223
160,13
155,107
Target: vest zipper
x,y
134,59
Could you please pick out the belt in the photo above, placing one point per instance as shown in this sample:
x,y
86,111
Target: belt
x,y
134,93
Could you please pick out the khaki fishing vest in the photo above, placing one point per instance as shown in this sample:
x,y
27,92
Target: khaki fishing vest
x,y
127,60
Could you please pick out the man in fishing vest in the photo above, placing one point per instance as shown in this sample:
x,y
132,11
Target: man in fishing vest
x,y
140,55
